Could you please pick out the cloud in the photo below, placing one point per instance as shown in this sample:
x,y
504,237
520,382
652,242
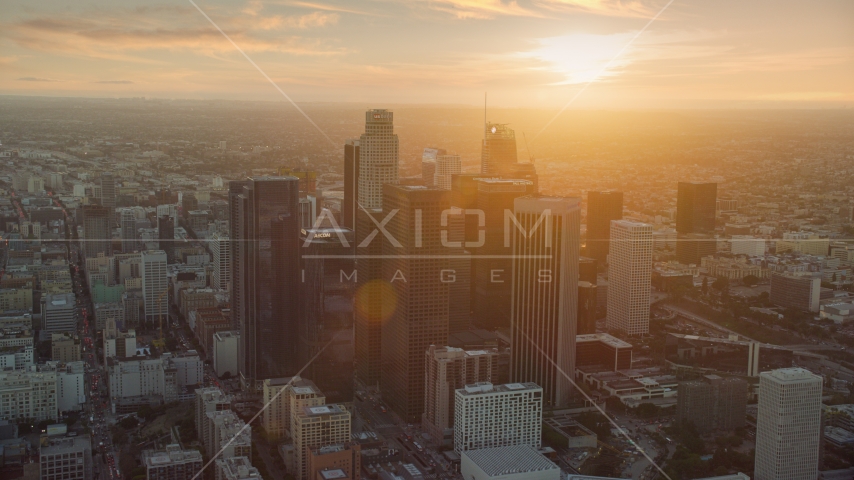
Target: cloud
x,y
483,9
126,34
620,8
36,79
115,82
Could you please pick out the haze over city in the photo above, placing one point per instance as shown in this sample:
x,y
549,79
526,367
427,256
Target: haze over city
x,y
427,240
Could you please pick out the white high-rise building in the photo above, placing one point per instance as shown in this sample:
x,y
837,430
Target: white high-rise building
x,y
378,157
544,300
221,260
446,165
630,276
788,425
488,416
154,284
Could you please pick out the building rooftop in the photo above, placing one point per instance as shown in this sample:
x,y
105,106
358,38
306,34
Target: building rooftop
x,y
333,474
506,460
791,374
603,338
486,387
173,454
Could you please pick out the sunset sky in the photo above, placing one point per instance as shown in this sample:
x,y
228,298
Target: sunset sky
x,y
538,53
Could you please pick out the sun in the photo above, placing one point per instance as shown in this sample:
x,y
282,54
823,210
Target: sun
x,y
583,57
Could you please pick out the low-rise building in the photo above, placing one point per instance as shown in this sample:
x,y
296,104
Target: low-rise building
x,y
28,394
799,291
346,457
602,349
64,348
518,462
171,464
236,468
488,415
225,345
66,458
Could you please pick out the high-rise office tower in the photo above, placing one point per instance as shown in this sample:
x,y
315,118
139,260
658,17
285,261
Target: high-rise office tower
x,y
108,191
630,277
351,184
413,264
788,425
235,230
695,221
492,265
128,226
269,277
155,285
189,203
97,223
378,157
587,303
371,292
221,253
587,268
498,150
602,207
316,427
446,370
446,166
695,207
377,165
544,299
166,236
326,308
428,165
713,403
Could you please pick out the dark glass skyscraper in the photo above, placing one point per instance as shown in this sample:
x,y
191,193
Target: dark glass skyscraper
x,y
695,221
236,296
97,226
602,207
351,184
269,277
416,304
695,207
492,264
326,310
166,236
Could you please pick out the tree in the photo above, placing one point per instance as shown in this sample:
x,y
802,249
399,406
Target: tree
x,y
750,280
721,284
647,410
705,287
129,422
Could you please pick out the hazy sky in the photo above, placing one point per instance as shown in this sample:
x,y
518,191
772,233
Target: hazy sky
x,y
539,53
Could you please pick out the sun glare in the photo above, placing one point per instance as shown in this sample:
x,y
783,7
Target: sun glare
x,y
582,57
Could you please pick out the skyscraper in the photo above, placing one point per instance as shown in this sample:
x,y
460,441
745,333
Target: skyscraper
x,y
351,184
378,157
695,207
713,403
155,285
413,264
446,166
630,277
326,310
488,415
166,236
221,253
189,203
546,237
602,207
491,268
128,226
498,150
108,191
377,165
428,165
235,231
695,221
97,222
788,425
268,274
